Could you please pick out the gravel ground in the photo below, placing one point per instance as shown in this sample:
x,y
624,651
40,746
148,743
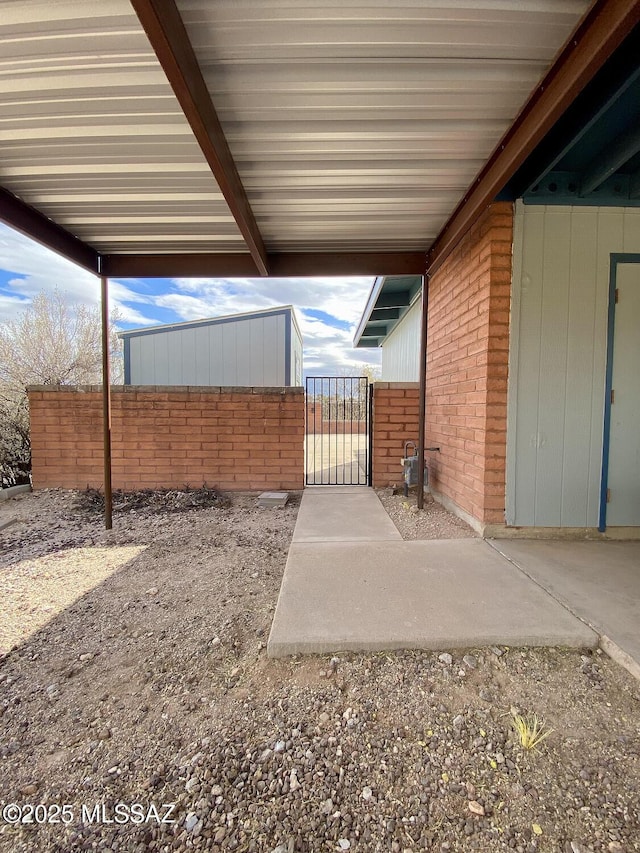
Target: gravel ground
x,y
431,522
152,687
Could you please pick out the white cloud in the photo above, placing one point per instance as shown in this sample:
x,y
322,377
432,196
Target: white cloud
x,y
120,294
124,314
328,350
188,307
328,345
343,298
328,341
36,268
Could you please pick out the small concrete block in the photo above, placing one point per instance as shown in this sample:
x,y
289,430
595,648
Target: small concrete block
x,y
271,499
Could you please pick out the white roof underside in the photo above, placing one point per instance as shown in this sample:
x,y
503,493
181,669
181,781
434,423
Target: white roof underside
x,y
355,126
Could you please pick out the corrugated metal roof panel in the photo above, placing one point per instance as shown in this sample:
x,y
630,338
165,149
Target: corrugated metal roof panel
x,y
360,125
355,124
92,135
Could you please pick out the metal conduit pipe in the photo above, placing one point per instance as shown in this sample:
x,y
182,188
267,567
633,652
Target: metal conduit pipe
x,y
422,409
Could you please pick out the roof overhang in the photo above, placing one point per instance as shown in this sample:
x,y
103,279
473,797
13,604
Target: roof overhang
x,y
389,300
166,137
608,25
592,154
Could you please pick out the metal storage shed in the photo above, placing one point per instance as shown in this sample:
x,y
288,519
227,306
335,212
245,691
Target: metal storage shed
x,y
260,348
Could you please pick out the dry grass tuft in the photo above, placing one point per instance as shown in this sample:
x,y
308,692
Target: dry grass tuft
x,y
531,731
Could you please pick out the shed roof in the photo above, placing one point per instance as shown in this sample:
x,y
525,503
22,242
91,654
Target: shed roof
x,y
244,136
213,321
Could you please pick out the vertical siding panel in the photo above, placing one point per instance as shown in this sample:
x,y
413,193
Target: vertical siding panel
x,y
145,362
160,366
557,410
553,362
528,378
216,343
510,513
296,357
401,350
201,358
194,341
276,345
257,353
577,403
135,356
297,378
176,367
270,354
244,334
229,371
292,353
631,231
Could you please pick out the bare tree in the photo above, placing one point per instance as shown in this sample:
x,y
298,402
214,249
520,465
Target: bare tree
x,y
348,399
51,343
371,371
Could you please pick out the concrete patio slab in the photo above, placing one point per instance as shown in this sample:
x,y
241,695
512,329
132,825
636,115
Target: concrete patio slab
x,y
339,459
598,581
343,514
440,594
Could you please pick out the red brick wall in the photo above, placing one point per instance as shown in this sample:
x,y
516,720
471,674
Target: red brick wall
x,y
467,364
314,417
230,438
316,425
395,420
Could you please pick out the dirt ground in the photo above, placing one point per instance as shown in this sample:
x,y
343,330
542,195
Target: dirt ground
x,y
139,712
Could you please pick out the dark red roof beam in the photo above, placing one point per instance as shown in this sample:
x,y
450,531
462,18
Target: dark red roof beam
x,y
169,39
280,265
26,219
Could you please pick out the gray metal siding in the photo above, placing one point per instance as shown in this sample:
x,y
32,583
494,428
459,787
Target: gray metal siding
x,y
401,350
249,352
296,355
558,359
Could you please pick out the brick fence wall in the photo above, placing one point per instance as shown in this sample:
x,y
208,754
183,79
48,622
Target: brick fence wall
x,y
395,420
467,366
230,438
316,424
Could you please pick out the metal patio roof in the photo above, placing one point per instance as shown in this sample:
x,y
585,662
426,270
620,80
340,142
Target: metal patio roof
x,y
274,136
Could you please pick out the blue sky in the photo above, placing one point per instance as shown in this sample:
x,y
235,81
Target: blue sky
x,y
328,309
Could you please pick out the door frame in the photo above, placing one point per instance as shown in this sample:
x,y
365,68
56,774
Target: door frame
x,y
615,259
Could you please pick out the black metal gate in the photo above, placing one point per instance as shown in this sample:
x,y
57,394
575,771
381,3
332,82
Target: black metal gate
x,y
337,440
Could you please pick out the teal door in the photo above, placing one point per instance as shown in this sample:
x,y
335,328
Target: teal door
x,y
623,505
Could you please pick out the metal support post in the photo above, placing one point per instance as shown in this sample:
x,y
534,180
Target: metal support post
x,y
422,408
106,401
